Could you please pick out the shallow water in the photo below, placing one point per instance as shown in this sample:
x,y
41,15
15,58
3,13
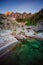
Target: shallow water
x,y
27,52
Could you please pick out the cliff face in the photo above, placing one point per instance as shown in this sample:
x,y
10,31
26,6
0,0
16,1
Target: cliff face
x,y
7,22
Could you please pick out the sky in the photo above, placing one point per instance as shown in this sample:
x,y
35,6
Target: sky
x,y
28,6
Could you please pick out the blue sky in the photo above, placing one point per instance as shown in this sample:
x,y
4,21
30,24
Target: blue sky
x,y
20,6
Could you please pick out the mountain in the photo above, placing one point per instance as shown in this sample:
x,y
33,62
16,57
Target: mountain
x,y
35,18
10,14
10,20
18,15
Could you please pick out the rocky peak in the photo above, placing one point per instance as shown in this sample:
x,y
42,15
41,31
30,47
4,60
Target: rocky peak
x,y
9,13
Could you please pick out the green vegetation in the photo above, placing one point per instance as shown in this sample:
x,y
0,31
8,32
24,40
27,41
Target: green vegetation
x,y
28,22
29,52
1,23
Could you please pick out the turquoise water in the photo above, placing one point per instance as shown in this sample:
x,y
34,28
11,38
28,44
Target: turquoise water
x,y
29,52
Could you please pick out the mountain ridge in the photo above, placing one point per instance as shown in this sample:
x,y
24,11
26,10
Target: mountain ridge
x,y
11,19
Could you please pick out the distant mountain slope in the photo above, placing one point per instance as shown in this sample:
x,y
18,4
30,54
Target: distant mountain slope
x,y
36,17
